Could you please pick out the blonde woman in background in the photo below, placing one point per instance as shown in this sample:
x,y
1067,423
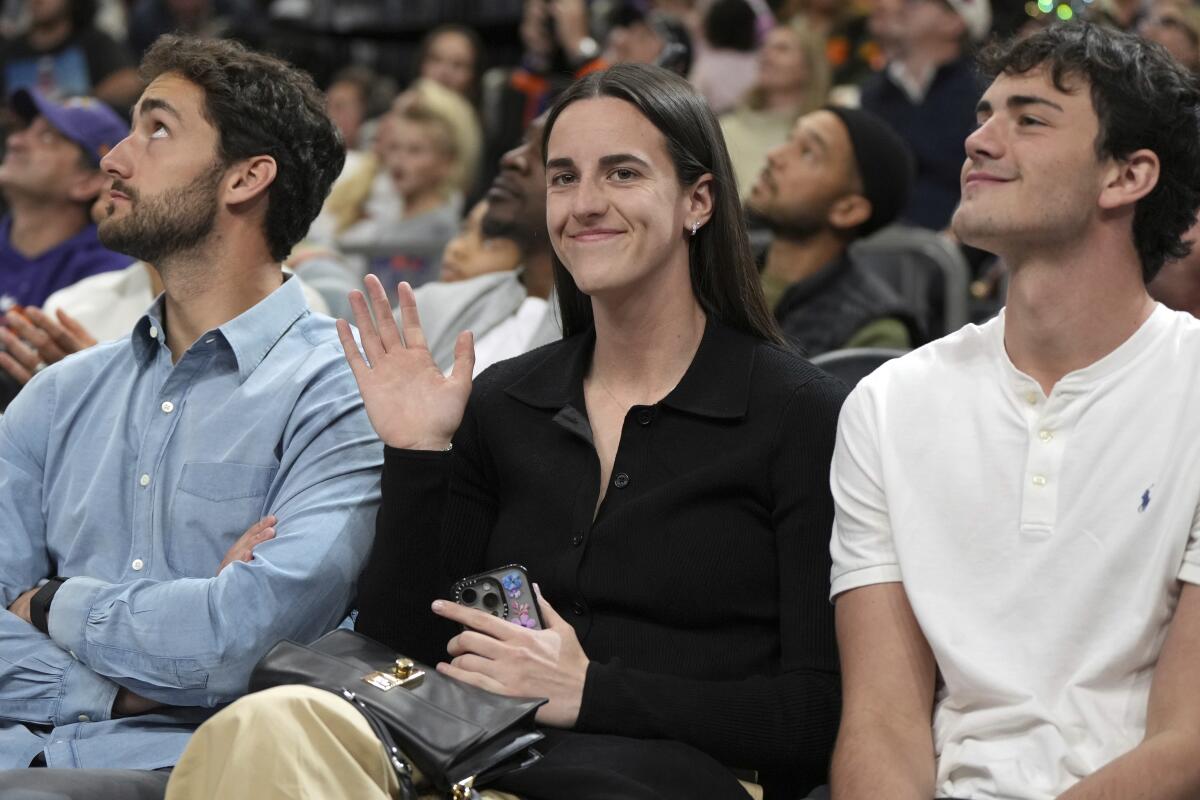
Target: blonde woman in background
x,y
793,79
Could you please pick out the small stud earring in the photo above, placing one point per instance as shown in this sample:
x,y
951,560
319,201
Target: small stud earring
x,y
695,227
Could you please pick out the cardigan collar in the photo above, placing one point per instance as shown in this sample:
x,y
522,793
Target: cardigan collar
x,y
716,384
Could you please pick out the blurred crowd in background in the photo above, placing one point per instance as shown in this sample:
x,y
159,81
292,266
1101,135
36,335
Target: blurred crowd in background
x,y
434,99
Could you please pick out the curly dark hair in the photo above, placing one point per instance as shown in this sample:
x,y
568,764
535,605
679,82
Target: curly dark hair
x,y
1144,100
261,106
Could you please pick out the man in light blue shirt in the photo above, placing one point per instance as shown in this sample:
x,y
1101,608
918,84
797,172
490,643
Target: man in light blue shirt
x,y
131,469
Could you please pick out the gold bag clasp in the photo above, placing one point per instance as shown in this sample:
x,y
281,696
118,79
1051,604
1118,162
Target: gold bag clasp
x,y
404,673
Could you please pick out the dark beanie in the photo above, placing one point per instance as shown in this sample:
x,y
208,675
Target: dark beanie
x,y
885,165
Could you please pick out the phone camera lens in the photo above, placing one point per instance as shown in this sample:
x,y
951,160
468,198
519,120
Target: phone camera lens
x,y
469,596
491,600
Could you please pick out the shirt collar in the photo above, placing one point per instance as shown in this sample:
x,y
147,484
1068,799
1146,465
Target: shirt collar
x,y
716,384
250,335
1082,380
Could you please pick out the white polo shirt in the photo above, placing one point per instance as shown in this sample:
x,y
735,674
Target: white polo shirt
x,y
1040,541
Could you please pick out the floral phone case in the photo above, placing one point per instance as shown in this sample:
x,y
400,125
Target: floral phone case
x,y
506,593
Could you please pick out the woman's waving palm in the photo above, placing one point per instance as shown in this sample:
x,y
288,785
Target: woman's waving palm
x,y
410,403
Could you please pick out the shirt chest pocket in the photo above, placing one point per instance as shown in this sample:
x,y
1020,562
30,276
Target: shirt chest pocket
x,y
214,504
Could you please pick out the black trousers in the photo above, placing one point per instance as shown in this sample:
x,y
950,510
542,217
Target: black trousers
x,y
588,766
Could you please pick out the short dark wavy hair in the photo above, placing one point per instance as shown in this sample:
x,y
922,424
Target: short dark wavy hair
x,y
1144,100
261,106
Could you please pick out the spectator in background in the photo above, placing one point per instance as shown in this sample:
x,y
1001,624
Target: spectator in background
x,y
928,92
726,64
471,252
508,312
1176,26
842,174
150,19
348,103
1124,15
793,79
452,55
417,153
636,36
49,177
852,53
63,55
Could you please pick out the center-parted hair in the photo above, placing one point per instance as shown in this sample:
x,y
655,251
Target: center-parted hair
x,y
260,105
1143,99
724,276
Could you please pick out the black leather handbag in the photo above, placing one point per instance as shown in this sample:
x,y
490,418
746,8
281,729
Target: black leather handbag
x,y
458,736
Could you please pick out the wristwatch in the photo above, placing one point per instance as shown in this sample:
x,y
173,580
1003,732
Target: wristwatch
x,y
39,605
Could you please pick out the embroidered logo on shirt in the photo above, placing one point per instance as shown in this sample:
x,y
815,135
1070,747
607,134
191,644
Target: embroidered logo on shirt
x,y
1145,499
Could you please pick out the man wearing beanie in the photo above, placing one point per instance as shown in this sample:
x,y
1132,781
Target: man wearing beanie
x,y
842,174
50,176
928,92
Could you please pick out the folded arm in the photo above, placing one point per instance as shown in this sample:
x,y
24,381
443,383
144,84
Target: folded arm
x,y
40,682
194,641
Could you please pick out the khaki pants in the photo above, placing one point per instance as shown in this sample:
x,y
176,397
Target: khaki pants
x,y
292,742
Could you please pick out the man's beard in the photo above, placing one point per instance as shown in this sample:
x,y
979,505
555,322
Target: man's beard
x,y
797,228
171,222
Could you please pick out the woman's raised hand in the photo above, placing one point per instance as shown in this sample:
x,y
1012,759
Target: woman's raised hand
x,y
411,404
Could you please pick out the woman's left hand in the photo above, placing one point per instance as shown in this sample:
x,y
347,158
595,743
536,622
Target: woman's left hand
x,y
508,659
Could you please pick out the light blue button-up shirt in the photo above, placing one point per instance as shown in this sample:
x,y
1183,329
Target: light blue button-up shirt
x,y
132,476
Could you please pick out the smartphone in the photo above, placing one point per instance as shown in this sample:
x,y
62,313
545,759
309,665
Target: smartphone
x,y
506,593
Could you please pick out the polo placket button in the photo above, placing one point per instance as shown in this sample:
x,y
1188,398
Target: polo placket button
x,y
621,481
577,539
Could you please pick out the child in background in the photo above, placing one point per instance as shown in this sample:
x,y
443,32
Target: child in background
x,y
394,216
470,253
416,152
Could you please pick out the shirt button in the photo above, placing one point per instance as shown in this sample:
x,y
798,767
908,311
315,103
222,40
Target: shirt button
x,y
621,481
580,609
577,539
167,406
153,332
84,718
1045,436
644,417
1038,480
1031,398
137,565
144,480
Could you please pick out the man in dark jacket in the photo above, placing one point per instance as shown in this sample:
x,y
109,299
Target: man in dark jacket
x,y
842,174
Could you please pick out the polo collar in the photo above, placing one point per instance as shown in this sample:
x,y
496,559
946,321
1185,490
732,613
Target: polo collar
x,y
716,384
250,335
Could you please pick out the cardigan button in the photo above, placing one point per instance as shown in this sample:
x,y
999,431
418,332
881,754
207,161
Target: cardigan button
x,y
577,539
580,609
621,481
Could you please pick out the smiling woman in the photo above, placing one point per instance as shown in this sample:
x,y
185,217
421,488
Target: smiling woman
x,y
662,472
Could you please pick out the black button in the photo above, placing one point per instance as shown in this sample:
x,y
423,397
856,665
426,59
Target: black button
x,y
577,539
644,417
580,609
621,481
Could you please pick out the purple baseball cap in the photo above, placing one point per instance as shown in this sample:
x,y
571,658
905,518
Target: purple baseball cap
x,y
86,121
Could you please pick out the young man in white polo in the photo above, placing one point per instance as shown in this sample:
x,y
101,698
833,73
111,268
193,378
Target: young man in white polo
x,y
1017,540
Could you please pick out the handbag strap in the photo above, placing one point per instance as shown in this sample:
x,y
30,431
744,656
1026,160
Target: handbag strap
x,y
396,758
